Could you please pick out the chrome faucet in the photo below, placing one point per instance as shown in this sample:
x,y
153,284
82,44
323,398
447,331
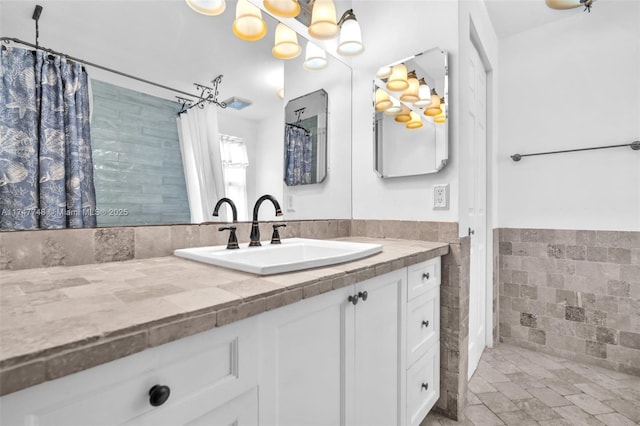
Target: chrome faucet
x,y
255,229
220,202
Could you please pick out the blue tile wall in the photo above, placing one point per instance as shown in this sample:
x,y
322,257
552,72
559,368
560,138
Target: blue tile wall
x,y
136,154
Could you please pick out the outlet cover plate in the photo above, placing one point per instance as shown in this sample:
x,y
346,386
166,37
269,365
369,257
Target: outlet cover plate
x,y
441,197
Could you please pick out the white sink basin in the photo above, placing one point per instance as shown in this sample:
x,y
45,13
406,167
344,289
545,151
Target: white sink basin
x,y
293,254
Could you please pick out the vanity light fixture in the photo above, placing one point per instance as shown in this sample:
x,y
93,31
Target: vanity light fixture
x,y
249,24
286,44
395,107
383,72
314,58
415,122
398,79
434,108
411,93
323,25
350,43
383,102
404,115
424,95
442,117
570,4
207,7
283,8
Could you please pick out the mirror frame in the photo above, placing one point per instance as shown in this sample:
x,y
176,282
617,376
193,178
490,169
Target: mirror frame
x,y
321,131
377,129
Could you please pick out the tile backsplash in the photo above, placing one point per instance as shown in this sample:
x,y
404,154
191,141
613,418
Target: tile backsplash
x,y
69,247
575,294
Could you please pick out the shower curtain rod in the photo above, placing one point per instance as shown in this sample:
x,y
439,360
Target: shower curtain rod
x,y
635,145
91,64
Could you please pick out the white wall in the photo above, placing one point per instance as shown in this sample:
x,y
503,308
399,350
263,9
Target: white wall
x,y
571,84
330,199
392,33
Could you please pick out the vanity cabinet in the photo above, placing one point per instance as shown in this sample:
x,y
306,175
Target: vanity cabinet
x,y
363,355
328,361
211,375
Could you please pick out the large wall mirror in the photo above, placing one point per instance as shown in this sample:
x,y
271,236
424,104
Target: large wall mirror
x,y
136,153
410,120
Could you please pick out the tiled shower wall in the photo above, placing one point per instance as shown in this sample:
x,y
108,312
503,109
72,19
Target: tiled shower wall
x,y
574,294
137,158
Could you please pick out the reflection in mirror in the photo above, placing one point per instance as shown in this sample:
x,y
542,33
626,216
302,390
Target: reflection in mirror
x,y
410,120
138,167
305,139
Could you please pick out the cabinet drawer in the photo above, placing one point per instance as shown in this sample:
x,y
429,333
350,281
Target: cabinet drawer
x,y
422,277
216,364
423,385
423,324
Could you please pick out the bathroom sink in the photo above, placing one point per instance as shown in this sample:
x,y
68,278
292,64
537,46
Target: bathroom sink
x,y
293,254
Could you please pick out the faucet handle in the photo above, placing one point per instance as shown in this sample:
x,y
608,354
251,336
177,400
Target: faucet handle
x,y
233,240
275,238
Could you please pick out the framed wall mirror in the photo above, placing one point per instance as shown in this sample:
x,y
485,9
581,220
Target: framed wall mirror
x,y
411,116
305,139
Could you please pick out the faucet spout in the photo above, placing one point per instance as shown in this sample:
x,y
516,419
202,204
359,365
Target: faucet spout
x,y
220,202
255,228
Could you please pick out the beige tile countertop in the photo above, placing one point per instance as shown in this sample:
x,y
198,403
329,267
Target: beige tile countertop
x,y
61,320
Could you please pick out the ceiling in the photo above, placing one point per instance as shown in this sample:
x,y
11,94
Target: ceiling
x,y
510,17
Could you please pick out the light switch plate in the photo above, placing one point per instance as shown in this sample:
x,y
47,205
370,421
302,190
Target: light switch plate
x,y
291,203
441,197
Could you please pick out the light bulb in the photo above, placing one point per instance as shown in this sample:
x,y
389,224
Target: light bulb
x,y
350,38
249,24
398,79
207,7
315,58
323,20
403,116
415,122
286,44
411,94
283,8
383,102
424,93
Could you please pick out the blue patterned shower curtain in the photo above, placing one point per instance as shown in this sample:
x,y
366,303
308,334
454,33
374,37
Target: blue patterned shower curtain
x,y
298,156
46,167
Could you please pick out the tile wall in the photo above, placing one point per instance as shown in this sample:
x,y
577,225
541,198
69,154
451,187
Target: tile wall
x,y
574,294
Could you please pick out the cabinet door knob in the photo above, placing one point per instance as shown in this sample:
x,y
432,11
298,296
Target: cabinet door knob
x,y
158,395
425,323
363,295
425,386
425,276
353,299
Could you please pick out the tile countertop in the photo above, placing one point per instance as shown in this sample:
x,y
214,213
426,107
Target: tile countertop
x,y
61,320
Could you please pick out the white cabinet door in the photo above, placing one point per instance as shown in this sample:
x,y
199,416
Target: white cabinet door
x,y
376,362
302,361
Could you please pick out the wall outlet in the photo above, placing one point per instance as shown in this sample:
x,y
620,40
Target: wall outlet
x,y
441,197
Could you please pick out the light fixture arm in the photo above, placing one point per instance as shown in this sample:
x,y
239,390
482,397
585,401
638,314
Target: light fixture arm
x,y
347,15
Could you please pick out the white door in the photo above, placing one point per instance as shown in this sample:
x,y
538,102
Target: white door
x,y
377,333
477,133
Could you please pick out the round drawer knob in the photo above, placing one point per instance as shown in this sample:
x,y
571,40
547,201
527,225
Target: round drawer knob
x,y
425,276
425,386
158,395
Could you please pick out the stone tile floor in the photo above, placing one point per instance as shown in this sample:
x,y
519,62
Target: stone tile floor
x,y
516,386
